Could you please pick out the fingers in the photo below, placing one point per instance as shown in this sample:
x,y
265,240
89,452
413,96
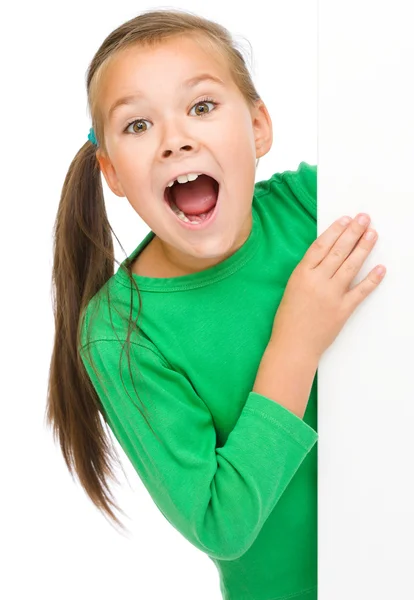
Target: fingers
x,y
345,245
351,266
358,293
339,253
323,244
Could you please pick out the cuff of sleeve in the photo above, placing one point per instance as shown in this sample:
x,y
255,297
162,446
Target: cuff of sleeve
x,y
283,418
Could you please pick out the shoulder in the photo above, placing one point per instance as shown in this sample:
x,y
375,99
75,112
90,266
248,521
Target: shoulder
x,y
107,314
303,183
299,185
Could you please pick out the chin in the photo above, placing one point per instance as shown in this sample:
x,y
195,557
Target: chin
x,y
213,249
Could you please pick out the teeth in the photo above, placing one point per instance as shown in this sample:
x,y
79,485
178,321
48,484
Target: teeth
x,y
184,178
180,213
175,209
189,177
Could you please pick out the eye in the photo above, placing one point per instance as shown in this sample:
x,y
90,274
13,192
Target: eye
x,y
140,129
204,103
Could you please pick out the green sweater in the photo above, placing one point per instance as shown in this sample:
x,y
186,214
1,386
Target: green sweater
x,y
233,471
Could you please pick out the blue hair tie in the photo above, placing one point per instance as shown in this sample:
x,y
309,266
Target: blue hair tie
x,y
91,136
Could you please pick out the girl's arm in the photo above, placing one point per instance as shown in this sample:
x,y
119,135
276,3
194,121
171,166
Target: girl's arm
x,y
286,373
216,497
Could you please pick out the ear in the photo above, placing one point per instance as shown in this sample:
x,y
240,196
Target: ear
x,y
109,173
262,127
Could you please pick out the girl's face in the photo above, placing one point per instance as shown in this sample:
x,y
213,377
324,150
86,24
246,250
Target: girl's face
x,y
173,136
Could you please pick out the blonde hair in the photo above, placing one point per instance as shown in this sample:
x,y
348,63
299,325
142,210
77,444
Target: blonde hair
x,y
84,254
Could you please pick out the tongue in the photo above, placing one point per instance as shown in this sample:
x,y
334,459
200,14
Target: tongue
x,y
195,197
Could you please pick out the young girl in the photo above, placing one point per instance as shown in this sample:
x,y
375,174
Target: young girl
x,y
200,352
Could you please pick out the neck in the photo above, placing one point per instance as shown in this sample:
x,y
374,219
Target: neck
x,y
183,264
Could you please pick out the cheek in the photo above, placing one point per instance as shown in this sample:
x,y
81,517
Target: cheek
x,y
125,167
239,139
135,175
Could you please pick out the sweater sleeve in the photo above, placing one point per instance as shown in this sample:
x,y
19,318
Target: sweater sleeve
x,y
218,498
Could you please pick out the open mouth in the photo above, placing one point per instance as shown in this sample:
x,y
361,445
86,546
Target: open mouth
x,y
196,204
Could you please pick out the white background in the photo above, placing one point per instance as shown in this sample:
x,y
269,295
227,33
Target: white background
x,y
340,94
366,390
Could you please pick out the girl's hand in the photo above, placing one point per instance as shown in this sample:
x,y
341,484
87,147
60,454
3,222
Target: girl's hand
x,y
317,300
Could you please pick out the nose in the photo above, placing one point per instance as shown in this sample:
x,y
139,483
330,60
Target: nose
x,y
168,152
176,139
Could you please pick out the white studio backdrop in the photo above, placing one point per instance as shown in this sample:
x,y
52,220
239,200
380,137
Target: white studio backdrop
x,y
366,390
56,543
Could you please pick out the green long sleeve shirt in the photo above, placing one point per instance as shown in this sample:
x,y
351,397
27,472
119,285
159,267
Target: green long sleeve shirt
x,y
233,471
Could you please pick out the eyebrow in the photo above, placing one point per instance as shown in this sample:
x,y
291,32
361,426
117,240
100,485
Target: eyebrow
x,y
192,82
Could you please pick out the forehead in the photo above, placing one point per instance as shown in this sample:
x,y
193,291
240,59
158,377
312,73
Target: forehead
x,y
180,50
168,61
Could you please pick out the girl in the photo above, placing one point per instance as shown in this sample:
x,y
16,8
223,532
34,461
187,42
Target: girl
x,y
200,353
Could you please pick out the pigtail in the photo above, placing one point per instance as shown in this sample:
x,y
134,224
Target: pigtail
x,y
83,262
